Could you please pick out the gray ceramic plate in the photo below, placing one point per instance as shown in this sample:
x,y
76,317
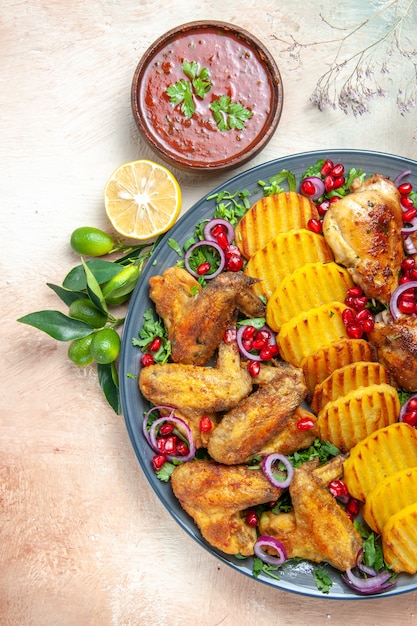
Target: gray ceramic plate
x,y
298,577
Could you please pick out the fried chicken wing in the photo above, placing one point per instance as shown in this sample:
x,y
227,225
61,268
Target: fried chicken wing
x,y
396,345
292,438
198,388
310,529
364,231
259,418
214,495
196,318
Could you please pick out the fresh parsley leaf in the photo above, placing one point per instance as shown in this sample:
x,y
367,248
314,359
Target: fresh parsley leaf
x,y
181,93
172,243
200,77
228,114
274,183
151,329
231,206
259,567
322,579
164,474
323,450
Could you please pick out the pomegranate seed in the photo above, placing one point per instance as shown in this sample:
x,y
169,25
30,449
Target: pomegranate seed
x,y
355,291
206,424
338,170
158,461
305,423
203,268
166,429
267,353
360,303
218,229
353,507
327,167
248,332
406,202
263,334
222,240
338,182
155,344
160,444
410,417
368,325
334,199
314,225
348,317
408,263
254,368
364,314
354,330
307,188
182,448
405,188
147,359
235,263
258,344
171,444
328,183
412,404
252,519
338,489
323,207
229,336
231,250
408,307
404,279
409,214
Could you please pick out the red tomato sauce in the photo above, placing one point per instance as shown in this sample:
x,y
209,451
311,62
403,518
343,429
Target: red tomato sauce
x,y
235,70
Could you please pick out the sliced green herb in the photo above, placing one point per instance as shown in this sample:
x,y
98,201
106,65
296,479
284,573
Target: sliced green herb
x,y
229,115
181,94
322,579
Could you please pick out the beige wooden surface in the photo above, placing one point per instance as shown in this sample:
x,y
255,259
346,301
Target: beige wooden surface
x,y
83,539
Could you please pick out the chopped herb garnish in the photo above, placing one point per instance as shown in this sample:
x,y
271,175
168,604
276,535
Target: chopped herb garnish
x,y
153,328
228,114
181,93
322,579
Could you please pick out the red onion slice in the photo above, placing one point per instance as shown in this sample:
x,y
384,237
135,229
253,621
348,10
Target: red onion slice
x,y
183,427
267,468
407,230
393,304
368,586
149,413
218,221
409,247
397,180
318,186
211,244
270,542
404,408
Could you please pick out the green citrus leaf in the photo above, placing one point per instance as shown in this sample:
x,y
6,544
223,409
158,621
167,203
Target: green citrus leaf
x,y
57,325
94,290
108,381
102,270
67,295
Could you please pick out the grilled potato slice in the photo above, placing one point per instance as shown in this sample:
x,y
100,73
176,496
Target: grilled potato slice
x,y
308,287
311,330
270,216
382,453
282,255
399,540
352,417
390,496
319,365
345,379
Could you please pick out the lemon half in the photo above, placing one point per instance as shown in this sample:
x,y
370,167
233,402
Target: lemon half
x,y
142,199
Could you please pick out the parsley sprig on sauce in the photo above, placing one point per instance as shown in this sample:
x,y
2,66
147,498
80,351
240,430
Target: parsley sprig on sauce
x,y
226,113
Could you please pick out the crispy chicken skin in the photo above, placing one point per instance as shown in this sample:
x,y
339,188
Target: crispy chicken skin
x,y
197,318
396,344
198,388
214,495
260,417
292,438
310,529
364,231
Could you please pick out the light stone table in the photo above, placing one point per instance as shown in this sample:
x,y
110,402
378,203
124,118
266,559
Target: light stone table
x,y
84,540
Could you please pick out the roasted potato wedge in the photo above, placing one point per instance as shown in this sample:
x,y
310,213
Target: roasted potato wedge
x,y
399,540
282,255
270,216
390,496
310,331
352,417
345,379
321,363
382,453
308,287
